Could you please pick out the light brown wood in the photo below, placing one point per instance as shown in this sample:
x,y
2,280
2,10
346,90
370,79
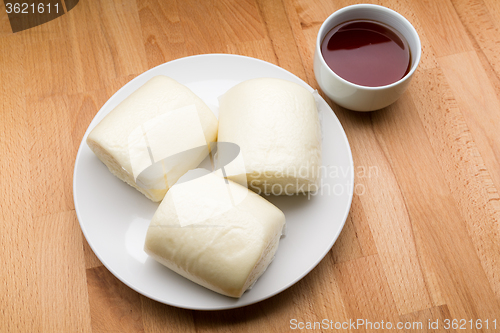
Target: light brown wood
x,y
422,240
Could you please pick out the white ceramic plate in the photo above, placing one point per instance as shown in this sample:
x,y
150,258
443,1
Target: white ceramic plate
x,y
114,217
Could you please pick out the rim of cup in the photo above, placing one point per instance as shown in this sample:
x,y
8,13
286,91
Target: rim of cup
x,y
322,33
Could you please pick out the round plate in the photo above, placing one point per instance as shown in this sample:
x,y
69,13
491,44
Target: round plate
x,y
114,217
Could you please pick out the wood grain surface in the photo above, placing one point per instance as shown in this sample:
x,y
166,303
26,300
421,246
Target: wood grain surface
x,y
421,242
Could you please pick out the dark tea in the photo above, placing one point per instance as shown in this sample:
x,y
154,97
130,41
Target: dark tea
x,y
367,53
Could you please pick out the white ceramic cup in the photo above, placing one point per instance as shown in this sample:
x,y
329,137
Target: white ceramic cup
x,y
353,96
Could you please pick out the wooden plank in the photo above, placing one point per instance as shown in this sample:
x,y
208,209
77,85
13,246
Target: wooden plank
x,y
365,291
59,262
162,31
5,28
389,221
471,188
260,49
432,320
281,34
114,307
442,26
479,104
19,288
347,246
480,19
163,318
358,215
91,259
49,155
96,43
433,212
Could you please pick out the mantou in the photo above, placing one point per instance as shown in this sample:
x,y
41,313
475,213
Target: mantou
x,y
216,233
276,125
154,136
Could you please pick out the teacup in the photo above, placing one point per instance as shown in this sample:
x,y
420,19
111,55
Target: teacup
x,y
354,96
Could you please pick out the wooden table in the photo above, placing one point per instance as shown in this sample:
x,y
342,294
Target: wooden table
x,y
421,242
